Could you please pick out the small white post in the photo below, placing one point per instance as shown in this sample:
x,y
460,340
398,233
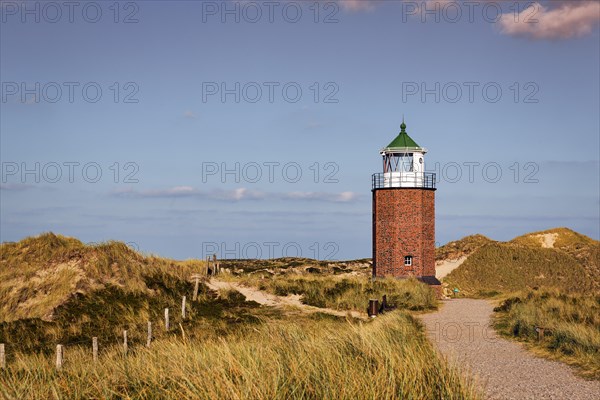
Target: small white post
x,y
59,356
125,342
183,307
166,319
95,348
2,356
149,339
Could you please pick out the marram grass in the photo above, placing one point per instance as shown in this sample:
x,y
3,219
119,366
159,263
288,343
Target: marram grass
x,y
347,293
386,358
571,326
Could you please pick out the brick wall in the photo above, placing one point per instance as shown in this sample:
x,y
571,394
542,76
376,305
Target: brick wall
x,y
403,225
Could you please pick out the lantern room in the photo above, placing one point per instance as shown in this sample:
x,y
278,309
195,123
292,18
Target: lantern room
x,y
403,164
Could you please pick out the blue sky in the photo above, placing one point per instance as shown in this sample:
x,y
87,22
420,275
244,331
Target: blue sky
x,y
258,136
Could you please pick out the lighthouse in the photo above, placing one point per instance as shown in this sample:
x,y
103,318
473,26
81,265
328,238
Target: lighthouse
x,y
404,213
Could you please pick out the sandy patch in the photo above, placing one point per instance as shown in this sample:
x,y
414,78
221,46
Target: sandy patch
x,y
443,268
547,239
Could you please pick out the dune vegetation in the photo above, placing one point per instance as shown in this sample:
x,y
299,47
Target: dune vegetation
x,y
548,279
41,273
557,258
274,266
304,358
347,293
498,268
582,248
462,247
56,290
571,326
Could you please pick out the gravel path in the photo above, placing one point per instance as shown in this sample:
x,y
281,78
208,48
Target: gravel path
x,y
461,331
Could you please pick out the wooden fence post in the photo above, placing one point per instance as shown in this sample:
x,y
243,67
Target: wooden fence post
x,y
2,356
540,332
149,339
183,301
196,286
166,319
95,348
125,342
59,356
373,308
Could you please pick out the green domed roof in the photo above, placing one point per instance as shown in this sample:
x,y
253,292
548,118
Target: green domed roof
x,y
403,141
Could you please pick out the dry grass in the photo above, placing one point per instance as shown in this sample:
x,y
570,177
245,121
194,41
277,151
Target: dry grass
x,y
571,322
571,264
387,358
503,268
39,274
460,248
287,265
566,239
584,249
347,293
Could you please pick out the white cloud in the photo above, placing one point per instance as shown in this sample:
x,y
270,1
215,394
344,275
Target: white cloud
x,y
357,5
568,20
181,190
238,194
557,19
176,191
343,197
348,196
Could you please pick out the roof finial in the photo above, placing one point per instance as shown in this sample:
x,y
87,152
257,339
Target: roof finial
x,y
402,125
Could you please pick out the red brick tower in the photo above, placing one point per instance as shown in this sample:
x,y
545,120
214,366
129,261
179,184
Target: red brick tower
x,y
404,213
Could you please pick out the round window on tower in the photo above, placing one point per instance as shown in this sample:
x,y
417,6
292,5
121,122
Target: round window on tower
x,y
421,160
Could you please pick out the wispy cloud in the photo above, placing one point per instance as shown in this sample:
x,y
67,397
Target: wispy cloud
x,y
176,191
236,194
343,197
357,5
563,21
239,194
558,19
